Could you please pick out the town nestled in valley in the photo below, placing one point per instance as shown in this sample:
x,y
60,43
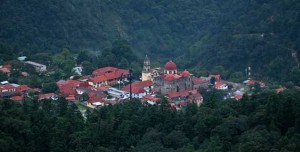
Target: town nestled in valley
x,y
111,85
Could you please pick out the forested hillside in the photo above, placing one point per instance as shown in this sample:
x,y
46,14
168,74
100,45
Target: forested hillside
x,y
260,123
199,34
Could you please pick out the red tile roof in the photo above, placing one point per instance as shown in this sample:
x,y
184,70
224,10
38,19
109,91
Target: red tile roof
x,y
98,79
185,73
22,88
219,84
143,84
238,97
97,94
96,99
250,82
171,77
151,98
7,86
103,88
112,75
5,70
135,90
68,91
108,74
181,93
7,66
17,98
84,84
178,94
138,86
46,96
106,70
73,82
68,87
70,98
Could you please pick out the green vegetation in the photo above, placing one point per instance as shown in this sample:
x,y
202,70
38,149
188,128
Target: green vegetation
x,y
198,35
263,122
82,107
204,36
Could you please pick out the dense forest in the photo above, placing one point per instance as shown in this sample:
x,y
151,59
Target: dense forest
x,y
198,34
259,123
203,36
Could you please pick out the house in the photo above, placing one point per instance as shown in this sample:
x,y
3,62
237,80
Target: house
x,y
68,87
37,66
200,83
147,85
108,76
150,99
139,88
221,85
52,96
252,82
185,96
136,92
96,99
7,88
81,90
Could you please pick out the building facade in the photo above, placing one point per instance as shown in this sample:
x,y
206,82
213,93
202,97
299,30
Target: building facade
x,y
167,79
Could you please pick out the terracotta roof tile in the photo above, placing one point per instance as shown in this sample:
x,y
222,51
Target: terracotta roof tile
x,y
17,98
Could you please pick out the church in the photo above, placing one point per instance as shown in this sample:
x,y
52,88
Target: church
x,y
168,79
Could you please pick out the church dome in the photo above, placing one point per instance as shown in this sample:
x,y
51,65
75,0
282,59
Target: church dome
x,y
170,65
185,73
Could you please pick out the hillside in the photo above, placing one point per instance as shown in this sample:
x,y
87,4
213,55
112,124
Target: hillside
x,y
198,34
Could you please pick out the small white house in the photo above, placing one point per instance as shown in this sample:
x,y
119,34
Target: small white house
x,y
221,86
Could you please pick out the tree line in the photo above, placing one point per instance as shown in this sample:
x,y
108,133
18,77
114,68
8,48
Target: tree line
x,y
265,121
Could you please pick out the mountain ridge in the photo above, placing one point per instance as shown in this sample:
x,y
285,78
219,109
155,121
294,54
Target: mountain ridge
x,y
197,34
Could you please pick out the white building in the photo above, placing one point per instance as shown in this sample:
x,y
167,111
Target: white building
x,y
38,67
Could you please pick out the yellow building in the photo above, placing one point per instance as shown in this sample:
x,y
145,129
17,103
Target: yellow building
x,y
146,73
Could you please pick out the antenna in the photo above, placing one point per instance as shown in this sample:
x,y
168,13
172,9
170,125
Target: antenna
x,y
130,81
248,72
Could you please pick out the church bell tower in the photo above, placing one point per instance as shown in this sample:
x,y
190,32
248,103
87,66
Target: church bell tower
x,y
146,74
